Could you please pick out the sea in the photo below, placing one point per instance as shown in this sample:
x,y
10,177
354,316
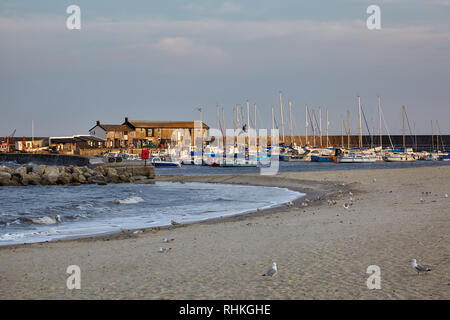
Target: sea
x,y
45,213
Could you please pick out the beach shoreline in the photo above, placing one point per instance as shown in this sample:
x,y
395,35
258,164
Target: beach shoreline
x,y
315,195
240,247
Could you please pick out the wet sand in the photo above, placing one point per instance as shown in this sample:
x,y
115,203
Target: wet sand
x,y
322,251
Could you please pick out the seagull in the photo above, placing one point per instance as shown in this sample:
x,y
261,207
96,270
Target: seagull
x,y
350,193
346,205
419,268
165,240
272,271
421,200
446,195
374,179
162,250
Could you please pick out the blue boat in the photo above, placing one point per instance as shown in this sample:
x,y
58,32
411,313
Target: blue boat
x,y
315,158
158,163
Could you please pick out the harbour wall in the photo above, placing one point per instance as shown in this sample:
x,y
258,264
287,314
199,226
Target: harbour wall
x,y
47,159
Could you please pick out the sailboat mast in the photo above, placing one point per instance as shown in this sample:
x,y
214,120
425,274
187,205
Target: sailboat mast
x,y
282,118
290,122
218,117
437,135
348,132
32,133
273,120
306,123
342,132
314,127
254,124
415,135
379,122
403,127
248,116
359,123
327,127
432,136
320,127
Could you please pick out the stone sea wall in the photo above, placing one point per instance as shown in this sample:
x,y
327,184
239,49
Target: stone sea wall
x,y
47,159
73,175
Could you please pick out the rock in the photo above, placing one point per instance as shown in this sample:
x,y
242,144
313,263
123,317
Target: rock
x,y
99,180
31,178
64,178
77,170
81,178
4,169
39,169
20,172
51,175
111,175
5,178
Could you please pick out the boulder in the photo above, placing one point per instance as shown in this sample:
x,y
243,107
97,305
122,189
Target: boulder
x,y
64,178
4,169
81,178
20,172
5,178
39,169
31,178
77,170
98,180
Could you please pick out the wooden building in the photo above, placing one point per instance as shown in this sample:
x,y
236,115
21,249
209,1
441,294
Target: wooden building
x,y
141,133
73,144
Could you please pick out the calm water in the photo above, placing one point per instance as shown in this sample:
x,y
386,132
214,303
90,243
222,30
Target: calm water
x,y
43,213
297,167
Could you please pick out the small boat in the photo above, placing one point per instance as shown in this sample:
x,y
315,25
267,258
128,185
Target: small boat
x,y
399,157
321,155
356,158
319,158
158,163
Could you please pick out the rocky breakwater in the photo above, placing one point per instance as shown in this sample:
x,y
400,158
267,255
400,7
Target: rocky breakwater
x,y
73,175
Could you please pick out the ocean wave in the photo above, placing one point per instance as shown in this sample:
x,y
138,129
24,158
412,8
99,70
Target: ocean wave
x,y
14,236
41,220
130,200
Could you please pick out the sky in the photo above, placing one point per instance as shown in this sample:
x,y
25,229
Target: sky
x,y
161,60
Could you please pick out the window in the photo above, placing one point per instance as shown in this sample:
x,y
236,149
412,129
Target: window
x,y
149,132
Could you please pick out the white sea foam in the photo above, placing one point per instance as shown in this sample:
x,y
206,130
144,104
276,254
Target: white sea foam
x,y
15,236
46,220
130,200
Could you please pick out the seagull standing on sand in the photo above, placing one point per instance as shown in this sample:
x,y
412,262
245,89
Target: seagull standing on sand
x,y
272,271
419,268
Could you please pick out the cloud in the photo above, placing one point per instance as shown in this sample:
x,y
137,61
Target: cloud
x,y
182,46
225,8
229,7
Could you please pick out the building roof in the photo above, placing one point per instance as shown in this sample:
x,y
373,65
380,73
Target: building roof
x,y
107,127
111,127
77,138
162,124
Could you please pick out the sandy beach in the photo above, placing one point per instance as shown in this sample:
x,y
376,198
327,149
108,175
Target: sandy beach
x,y
322,251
